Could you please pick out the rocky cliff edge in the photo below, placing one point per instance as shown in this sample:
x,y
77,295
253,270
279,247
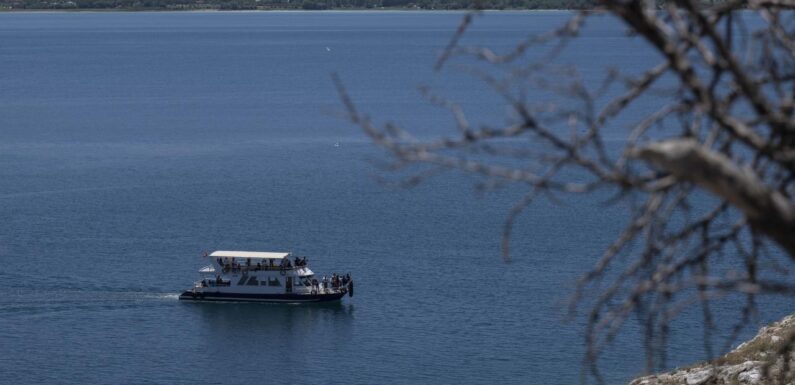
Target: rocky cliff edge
x,y
758,361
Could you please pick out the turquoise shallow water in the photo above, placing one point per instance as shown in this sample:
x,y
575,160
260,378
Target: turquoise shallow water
x,y
129,143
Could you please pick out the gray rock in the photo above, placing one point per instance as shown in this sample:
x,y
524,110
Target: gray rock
x,y
699,377
751,377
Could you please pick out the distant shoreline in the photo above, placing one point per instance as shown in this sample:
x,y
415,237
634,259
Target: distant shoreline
x,y
363,10
291,5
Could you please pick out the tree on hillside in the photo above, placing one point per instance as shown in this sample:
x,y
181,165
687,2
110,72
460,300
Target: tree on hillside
x,y
724,92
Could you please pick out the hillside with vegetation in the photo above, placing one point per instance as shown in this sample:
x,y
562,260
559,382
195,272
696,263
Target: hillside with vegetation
x,y
289,4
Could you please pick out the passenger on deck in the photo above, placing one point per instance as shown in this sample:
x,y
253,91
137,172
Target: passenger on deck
x,y
259,266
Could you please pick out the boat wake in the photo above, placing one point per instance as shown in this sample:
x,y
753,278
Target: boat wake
x,y
37,303
168,296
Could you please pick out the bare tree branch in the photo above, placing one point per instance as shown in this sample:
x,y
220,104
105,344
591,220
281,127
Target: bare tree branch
x,y
724,124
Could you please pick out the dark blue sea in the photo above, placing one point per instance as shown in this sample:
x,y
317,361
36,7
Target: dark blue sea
x,y
132,142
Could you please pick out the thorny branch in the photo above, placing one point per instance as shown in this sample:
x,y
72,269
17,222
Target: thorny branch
x,y
725,87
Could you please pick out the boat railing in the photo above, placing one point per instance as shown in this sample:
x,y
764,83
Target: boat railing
x,y
328,290
214,283
247,268
331,287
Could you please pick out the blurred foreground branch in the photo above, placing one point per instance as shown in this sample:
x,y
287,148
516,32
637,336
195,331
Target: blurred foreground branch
x,y
723,125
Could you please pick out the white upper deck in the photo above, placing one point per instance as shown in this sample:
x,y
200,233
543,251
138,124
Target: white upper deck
x,y
249,254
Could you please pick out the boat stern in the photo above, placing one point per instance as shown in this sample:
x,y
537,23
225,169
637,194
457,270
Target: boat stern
x,y
189,295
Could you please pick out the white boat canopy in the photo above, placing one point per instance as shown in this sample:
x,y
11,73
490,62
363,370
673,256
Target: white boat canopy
x,y
248,254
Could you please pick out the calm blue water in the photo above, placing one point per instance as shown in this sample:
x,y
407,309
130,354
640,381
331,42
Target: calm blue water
x,y
129,143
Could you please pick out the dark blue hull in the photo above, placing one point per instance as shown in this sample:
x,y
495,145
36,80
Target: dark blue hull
x,y
238,297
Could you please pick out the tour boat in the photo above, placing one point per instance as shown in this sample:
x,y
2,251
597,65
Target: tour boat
x,y
253,276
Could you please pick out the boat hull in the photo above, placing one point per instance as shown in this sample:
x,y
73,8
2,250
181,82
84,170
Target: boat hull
x,y
244,297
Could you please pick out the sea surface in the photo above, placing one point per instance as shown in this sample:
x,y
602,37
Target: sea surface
x,y
132,142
